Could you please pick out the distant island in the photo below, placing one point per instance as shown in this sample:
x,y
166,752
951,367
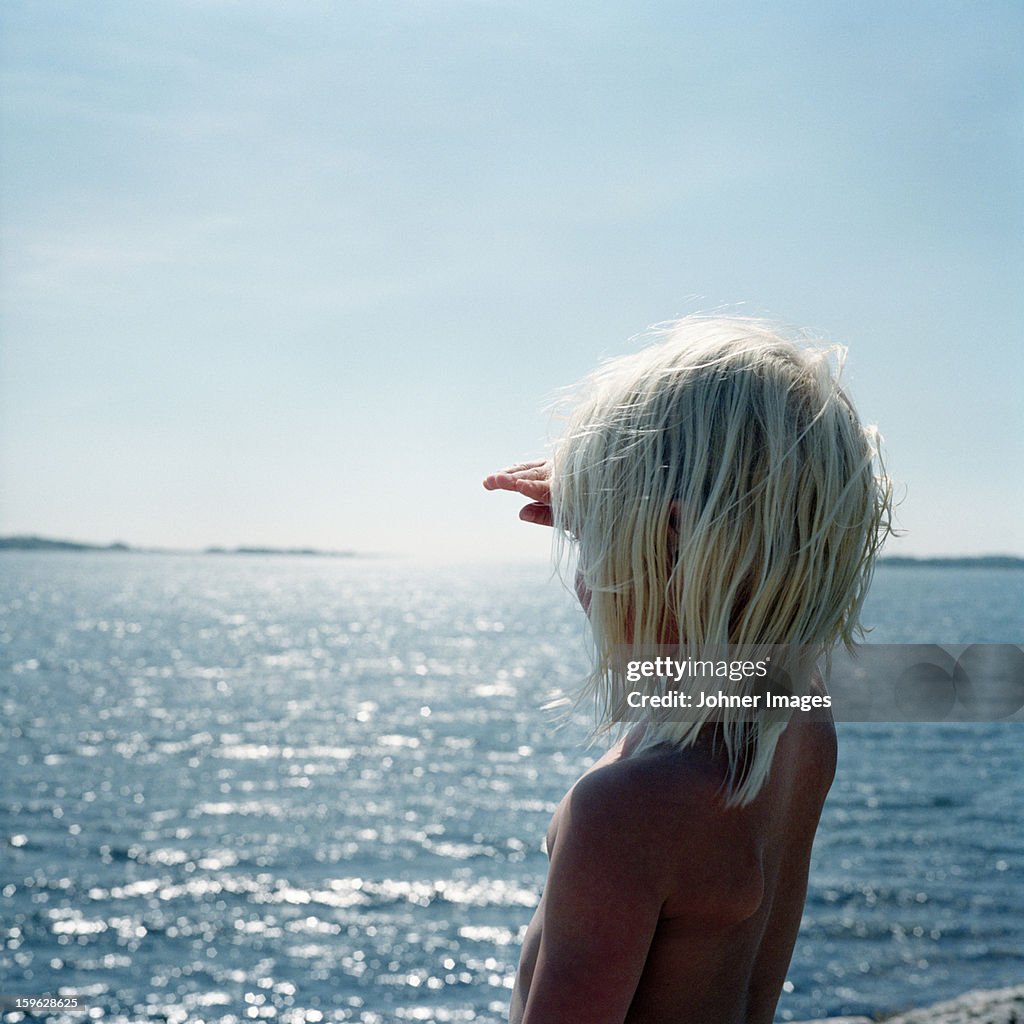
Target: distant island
x,y
48,544
963,562
280,551
33,543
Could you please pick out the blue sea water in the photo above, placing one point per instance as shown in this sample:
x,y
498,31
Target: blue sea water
x,y
239,788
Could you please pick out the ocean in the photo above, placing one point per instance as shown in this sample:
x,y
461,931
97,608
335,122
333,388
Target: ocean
x,y
301,789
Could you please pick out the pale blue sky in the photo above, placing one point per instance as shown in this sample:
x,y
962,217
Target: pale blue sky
x,y
300,273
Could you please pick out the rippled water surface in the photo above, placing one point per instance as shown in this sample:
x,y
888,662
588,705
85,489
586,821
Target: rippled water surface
x,y
241,788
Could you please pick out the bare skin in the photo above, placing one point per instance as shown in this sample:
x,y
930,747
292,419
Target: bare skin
x,y
531,480
661,904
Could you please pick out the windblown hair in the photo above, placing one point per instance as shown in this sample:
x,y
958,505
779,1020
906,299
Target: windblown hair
x,y
718,488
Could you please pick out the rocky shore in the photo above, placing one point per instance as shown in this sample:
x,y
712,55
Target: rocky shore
x,y
998,1006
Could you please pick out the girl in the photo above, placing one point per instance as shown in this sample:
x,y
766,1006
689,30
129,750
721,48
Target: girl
x,y
716,488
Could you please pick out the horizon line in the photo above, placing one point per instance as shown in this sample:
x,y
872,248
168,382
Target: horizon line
x,y
37,542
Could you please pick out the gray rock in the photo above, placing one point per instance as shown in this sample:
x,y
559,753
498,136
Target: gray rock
x,y
999,1006
839,1020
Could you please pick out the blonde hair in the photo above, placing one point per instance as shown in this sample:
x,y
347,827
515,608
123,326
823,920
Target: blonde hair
x,y
718,488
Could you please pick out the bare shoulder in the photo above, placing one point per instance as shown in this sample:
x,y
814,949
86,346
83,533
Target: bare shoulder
x,y
601,905
617,813
651,789
661,817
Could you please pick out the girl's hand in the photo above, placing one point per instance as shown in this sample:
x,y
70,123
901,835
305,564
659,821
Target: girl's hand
x,y
532,480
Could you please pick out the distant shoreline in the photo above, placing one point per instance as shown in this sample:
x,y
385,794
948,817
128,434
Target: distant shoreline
x,y
32,543
954,562
35,543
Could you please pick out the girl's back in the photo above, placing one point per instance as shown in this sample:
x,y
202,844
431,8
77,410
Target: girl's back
x,y
663,904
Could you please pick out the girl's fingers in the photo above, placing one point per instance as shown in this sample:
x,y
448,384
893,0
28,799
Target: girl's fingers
x,y
538,513
533,481
500,482
521,467
539,490
525,472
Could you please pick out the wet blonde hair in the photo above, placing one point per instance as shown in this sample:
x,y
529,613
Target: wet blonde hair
x,y
718,488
